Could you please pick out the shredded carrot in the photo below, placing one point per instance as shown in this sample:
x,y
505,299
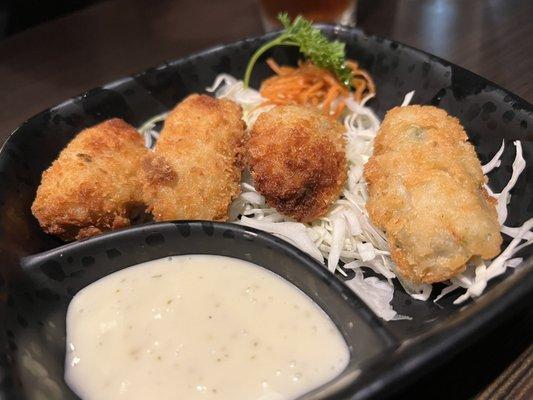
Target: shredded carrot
x,y
310,85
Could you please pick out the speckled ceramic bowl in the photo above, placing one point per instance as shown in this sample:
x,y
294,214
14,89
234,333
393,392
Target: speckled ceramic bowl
x,y
38,304
38,277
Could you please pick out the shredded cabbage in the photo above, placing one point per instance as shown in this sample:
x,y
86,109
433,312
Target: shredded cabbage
x,y
479,272
148,130
408,97
345,234
495,161
484,273
503,198
376,294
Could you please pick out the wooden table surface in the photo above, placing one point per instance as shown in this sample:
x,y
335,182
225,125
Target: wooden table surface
x,y
47,64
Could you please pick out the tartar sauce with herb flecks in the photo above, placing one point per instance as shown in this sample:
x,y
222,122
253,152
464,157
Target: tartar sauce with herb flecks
x,y
198,326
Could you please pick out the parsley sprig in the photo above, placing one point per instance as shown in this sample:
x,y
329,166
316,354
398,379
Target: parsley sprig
x,y
329,55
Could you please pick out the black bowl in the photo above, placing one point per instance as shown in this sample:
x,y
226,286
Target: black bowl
x,y
403,349
38,304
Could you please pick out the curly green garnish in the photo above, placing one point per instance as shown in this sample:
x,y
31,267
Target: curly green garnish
x,y
325,54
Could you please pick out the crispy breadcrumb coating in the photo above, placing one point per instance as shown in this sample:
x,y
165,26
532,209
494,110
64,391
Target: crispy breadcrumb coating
x,y
297,159
93,186
195,170
426,191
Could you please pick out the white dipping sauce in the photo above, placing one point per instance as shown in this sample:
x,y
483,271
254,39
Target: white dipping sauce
x,y
198,326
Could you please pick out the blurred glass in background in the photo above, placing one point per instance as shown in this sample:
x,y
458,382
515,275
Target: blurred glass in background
x,y
333,11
